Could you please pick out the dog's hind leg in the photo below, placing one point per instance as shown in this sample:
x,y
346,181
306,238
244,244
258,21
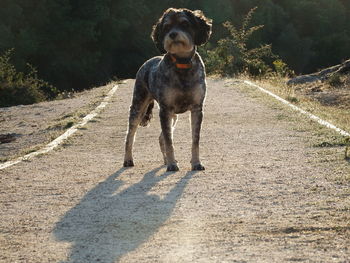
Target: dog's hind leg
x,y
146,118
140,103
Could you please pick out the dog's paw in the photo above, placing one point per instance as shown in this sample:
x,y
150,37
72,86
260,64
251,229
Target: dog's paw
x,y
198,167
172,168
128,163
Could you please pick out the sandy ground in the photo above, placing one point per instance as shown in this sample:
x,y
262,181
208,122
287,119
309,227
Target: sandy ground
x,y
267,195
31,126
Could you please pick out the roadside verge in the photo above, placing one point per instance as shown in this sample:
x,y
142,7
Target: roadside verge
x,y
59,140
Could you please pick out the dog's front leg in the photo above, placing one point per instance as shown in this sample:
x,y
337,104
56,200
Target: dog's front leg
x,y
166,117
196,123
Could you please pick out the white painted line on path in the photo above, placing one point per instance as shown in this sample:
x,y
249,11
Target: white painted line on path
x,y
59,140
308,114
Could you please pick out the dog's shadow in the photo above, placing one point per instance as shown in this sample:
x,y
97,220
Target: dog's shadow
x,y
106,225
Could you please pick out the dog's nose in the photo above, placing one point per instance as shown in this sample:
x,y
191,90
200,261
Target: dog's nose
x,y
173,35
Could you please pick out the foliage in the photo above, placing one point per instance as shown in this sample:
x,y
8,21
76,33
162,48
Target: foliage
x,y
232,54
334,80
79,44
282,69
18,87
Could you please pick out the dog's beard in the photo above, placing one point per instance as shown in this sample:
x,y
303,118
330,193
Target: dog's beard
x,y
181,45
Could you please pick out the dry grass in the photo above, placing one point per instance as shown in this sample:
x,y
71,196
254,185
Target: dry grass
x,y
330,147
329,102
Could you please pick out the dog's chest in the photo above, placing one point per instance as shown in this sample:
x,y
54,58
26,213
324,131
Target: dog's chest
x,y
179,91
182,100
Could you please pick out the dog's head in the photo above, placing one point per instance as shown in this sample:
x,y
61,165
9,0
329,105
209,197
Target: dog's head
x,y
179,30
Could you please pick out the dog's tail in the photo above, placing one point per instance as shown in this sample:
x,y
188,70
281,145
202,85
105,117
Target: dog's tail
x,y
148,115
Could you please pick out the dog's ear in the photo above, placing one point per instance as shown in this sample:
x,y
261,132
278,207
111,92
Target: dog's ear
x,y
157,35
204,25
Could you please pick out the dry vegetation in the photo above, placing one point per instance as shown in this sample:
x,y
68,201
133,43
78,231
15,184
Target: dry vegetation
x,y
328,99
325,94
26,128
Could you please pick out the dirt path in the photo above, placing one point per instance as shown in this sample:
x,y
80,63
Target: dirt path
x,y
266,196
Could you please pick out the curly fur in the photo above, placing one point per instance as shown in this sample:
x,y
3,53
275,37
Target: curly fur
x,y
175,80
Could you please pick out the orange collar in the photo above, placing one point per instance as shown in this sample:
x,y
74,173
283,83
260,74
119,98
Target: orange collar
x,y
181,65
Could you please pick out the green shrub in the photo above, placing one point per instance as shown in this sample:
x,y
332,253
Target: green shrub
x,y
334,80
282,69
20,88
232,55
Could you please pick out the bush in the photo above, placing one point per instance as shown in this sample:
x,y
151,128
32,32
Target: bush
x,y
232,55
282,69
20,88
334,80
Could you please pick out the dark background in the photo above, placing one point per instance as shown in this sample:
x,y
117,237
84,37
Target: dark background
x,y
77,44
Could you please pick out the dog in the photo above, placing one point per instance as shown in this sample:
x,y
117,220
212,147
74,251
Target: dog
x,y
176,81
